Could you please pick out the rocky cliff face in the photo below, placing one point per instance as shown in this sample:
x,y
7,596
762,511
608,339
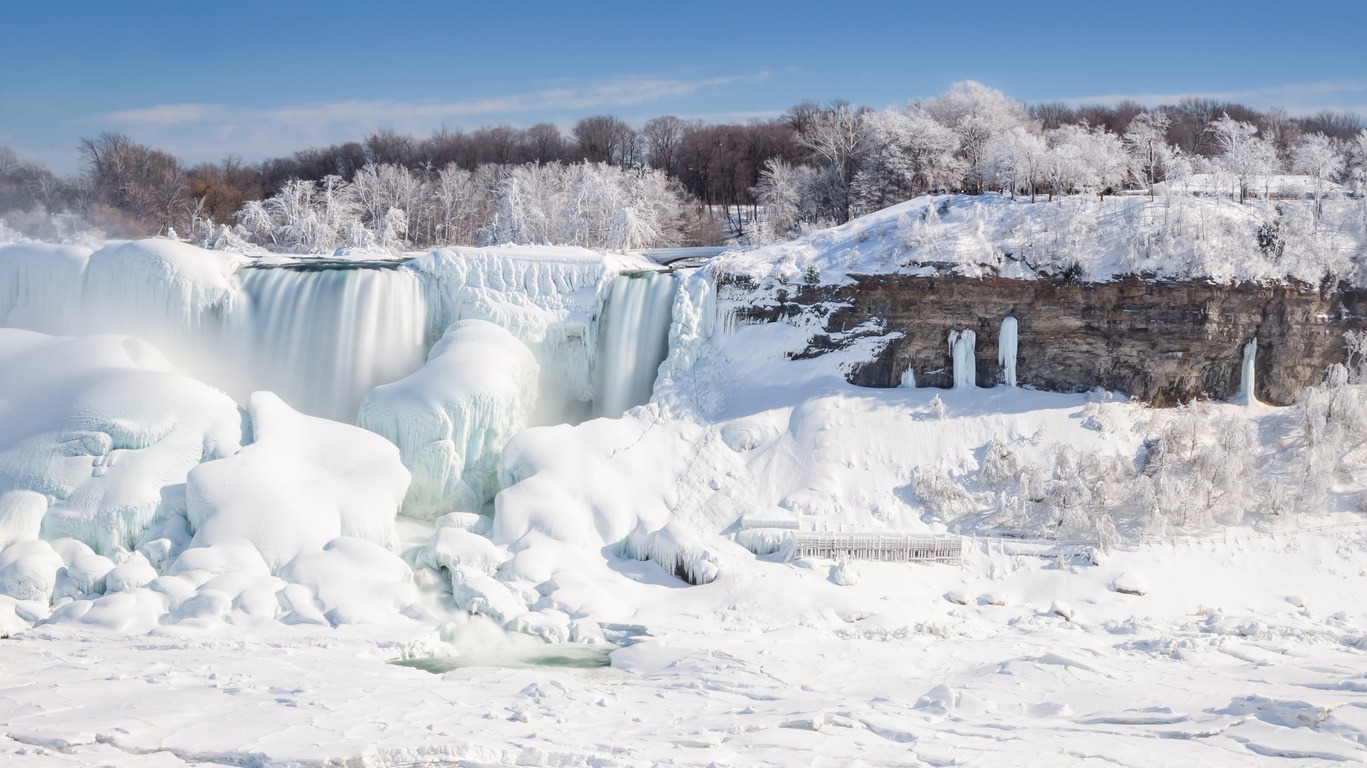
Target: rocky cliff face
x,y
1162,342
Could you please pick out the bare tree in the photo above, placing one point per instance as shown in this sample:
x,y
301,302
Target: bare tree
x,y
602,139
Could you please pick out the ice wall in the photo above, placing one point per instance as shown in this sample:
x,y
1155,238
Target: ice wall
x,y
321,335
962,345
452,417
1006,350
633,339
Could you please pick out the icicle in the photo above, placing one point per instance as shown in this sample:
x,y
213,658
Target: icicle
x,y
633,339
1247,393
961,346
908,379
1006,349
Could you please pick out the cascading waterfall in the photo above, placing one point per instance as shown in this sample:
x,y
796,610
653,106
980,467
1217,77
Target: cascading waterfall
x,y
633,339
1006,349
1247,394
961,346
322,334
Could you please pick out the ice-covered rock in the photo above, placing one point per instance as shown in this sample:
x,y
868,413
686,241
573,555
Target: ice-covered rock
x,y
1130,583
452,417
452,548
352,582
133,574
29,570
303,482
96,434
844,574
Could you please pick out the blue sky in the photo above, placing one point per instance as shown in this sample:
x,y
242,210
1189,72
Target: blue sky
x,y
255,79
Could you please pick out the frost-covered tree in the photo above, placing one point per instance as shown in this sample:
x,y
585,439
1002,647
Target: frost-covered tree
x,y
1318,157
836,136
1015,161
1243,154
1146,140
1081,159
978,115
905,154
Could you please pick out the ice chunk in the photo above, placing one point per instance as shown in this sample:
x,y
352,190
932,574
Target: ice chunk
x,y
452,417
302,483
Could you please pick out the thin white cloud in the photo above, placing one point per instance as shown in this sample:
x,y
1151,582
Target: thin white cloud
x,y
1296,98
202,131
618,93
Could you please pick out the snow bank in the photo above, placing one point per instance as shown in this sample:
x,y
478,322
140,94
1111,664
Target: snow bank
x,y
452,417
303,482
96,436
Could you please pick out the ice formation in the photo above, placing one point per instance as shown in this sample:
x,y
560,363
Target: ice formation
x,y
452,417
1247,394
322,335
96,437
962,347
908,380
1006,350
633,339
302,482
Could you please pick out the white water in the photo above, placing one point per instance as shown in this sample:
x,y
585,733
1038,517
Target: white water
x,y
633,339
1006,349
1247,393
961,347
322,338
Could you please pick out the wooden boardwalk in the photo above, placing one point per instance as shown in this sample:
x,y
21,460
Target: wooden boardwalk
x,y
897,548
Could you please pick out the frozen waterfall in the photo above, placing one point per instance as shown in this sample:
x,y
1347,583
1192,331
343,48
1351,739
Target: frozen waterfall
x,y
1006,349
633,339
322,334
1247,395
962,345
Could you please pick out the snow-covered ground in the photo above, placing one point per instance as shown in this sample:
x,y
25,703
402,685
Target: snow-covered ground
x,y
189,582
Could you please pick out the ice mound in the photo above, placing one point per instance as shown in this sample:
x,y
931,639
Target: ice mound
x,y
97,434
638,487
451,418
303,482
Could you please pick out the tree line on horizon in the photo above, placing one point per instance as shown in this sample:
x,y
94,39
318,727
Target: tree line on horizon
x,y
669,181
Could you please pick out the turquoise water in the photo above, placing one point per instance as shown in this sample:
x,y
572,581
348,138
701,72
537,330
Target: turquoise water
x,y
553,656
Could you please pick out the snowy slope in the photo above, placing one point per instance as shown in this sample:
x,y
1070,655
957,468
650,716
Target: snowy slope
x,y
991,234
